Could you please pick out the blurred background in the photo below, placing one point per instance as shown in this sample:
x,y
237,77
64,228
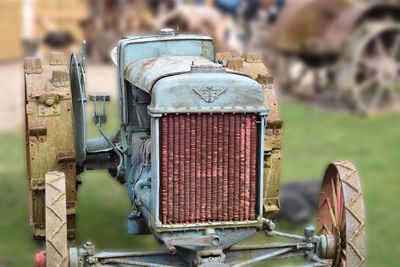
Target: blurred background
x,y
336,65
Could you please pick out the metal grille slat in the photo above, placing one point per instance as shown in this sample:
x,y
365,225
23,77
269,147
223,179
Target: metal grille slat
x,y
208,167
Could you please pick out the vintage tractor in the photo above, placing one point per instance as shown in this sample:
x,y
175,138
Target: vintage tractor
x,y
338,51
199,150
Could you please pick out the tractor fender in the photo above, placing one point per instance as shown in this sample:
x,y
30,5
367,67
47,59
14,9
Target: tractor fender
x,y
339,31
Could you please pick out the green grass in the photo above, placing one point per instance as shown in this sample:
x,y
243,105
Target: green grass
x,y
311,139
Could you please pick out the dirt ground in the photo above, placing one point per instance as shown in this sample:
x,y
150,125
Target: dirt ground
x,y
100,78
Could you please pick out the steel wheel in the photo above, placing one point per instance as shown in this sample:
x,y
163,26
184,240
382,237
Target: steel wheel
x,y
375,68
298,78
341,215
56,220
49,135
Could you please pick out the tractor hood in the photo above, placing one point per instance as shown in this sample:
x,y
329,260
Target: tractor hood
x,y
194,84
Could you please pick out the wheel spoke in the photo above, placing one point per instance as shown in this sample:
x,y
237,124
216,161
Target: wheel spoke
x,y
343,257
340,202
394,50
368,63
380,47
341,182
332,214
299,76
367,83
374,104
393,95
334,198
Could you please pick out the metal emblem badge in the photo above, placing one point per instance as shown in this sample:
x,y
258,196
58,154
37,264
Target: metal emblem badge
x,y
209,94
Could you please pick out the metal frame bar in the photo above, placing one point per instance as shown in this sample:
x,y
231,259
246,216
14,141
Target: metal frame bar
x,y
155,170
261,169
238,256
265,257
155,186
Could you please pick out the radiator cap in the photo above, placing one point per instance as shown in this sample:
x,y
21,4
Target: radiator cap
x,y
167,31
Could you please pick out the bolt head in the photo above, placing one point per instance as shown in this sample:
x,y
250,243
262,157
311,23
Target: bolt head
x,y
270,225
309,231
49,101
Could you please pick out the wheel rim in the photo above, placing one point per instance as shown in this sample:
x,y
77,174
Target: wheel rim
x,y
341,214
376,69
56,220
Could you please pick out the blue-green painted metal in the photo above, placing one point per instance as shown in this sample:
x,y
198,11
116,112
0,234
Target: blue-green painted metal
x,y
133,49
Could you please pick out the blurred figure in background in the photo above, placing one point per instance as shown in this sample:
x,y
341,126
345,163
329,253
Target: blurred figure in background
x,y
244,12
205,20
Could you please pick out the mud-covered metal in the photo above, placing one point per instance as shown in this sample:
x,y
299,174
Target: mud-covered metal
x,y
49,136
56,220
272,150
251,64
341,216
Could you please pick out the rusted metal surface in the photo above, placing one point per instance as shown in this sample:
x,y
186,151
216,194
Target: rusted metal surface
x,y
272,152
314,27
32,65
208,168
49,137
251,64
56,220
301,24
324,51
371,66
341,215
208,90
337,33
144,73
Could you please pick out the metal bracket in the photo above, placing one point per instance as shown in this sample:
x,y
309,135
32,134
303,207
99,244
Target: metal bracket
x,y
38,130
99,117
66,156
201,241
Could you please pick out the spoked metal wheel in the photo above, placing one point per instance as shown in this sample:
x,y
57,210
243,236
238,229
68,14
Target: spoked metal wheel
x,y
375,68
296,77
341,215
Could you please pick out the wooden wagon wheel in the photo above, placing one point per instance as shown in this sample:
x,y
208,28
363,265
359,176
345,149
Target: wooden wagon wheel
x,y
374,77
341,215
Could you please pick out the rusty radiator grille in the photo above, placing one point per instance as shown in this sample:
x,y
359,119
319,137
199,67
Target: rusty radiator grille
x,y
208,167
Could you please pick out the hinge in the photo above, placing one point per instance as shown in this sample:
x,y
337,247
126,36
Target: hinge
x,y
66,156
